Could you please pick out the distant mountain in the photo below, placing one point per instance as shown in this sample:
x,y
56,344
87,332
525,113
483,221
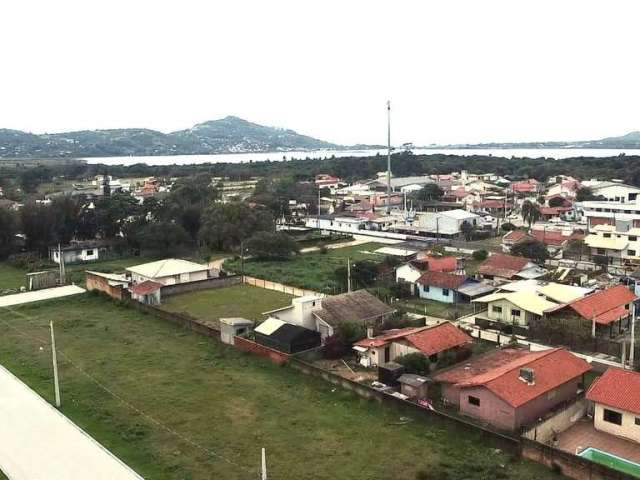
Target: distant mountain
x,y
227,135
630,140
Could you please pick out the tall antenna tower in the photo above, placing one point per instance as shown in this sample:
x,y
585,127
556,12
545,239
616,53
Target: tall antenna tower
x,y
388,157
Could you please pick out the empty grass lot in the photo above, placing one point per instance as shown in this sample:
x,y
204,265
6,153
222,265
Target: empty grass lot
x,y
175,405
237,301
313,271
11,277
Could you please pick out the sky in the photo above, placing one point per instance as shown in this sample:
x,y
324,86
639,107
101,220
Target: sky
x,y
455,71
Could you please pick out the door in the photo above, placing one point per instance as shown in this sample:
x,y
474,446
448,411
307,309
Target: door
x,y
387,353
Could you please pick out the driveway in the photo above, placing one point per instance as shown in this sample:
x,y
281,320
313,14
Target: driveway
x,y
39,295
39,442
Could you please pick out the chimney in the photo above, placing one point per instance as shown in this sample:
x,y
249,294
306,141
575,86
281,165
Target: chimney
x,y
527,375
369,332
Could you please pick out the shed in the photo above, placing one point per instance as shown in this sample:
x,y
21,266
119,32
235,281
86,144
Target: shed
x,y
388,373
285,337
232,327
413,386
146,292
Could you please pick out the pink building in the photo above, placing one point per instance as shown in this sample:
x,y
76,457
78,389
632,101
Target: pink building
x,y
511,388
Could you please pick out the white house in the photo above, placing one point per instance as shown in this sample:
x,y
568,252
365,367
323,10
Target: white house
x,y
616,399
447,223
77,252
613,191
171,271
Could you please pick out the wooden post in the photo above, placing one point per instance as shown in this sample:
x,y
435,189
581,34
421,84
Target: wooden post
x,y
55,366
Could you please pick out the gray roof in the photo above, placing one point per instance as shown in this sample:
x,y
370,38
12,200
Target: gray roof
x,y
358,306
475,289
412,379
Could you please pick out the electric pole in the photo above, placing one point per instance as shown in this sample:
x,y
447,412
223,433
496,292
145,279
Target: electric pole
x,y
632,351
242,258
264,464
55,366
349,275
388,157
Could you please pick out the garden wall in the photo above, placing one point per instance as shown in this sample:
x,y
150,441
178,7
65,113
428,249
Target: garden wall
x,y
209,283
250,346
202,327
562,420
279,287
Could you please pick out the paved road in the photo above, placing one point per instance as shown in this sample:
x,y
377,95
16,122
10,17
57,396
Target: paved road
x,y
39,295
37,442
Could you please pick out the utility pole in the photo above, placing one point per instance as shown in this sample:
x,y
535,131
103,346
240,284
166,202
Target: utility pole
x,y
63,280
242,258
349,275
388,157
55,366
318,219
264,464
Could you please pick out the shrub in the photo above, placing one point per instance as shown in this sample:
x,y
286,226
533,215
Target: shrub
x,y
480,255
415,363
507,227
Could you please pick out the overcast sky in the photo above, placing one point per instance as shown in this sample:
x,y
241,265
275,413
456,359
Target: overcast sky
x,y
455,71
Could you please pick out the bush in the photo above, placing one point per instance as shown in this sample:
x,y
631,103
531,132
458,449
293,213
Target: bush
x,y
480,255
272,246
415,363
507,227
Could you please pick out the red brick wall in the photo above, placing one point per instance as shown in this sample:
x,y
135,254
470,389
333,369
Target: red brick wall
x,y
252,347
99,283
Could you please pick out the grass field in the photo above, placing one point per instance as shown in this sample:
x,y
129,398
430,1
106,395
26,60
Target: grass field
x,y
436,309
11,277
313,271
237,301
175,405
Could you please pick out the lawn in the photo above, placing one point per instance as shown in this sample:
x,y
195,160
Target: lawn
x,y
175,405
11,277
435,309
313,271
237,301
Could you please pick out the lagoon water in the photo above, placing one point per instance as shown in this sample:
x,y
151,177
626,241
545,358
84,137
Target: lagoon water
x,y
283,156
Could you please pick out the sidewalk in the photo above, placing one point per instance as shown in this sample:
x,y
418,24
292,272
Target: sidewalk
x,y
39,442
39,295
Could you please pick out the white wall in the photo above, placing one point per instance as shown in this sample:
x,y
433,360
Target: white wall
x,y
628,429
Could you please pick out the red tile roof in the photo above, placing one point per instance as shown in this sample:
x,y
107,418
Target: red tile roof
x,y
617,388
386,337
501,265
515,236
551,237
499,372
438,338
501,204
607,305
525,185
145,288
442,280
440,264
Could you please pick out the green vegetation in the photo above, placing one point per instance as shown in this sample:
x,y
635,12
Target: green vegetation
x,y
237,301
224,405
435,309
314,271
11,277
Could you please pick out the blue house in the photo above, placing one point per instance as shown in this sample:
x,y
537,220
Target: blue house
x,y
450,288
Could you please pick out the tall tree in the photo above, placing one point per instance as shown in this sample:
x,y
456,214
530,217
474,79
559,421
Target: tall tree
x,y
530,212
225,225
8,231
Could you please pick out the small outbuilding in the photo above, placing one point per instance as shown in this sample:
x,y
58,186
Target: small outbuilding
x,y
147,292
285,337
413,386
232,327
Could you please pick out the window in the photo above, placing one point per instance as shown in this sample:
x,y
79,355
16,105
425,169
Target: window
x,y
607,235
637,421
600,251
445,292
612,417
474,400
426,288
89,253
631,253
633,238
515,313
496,309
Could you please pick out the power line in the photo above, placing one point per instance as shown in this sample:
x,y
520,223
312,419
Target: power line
x,y
128,404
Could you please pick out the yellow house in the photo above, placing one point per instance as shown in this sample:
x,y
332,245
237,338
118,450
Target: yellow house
x,y
517,308
616,399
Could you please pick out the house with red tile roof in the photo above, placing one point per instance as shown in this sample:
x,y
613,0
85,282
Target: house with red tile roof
x,y
504,267
553,239
609,309
616,399
512,388
411,271
147,292
450,288
431,341
524,187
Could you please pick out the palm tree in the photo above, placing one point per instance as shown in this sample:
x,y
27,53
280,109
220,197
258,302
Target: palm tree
x,y
530,212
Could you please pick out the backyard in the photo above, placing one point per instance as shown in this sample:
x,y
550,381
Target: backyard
x,y
175,405
313,271
435,309
237,301
11,277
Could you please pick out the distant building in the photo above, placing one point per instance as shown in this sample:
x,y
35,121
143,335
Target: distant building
x,y
77,252
503,268
169,272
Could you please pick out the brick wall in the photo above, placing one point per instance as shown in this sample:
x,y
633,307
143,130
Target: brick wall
x,y
95,282
255,348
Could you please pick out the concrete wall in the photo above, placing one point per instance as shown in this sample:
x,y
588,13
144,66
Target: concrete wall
x,y
544,431
255,348
206,284
279,287
628,429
